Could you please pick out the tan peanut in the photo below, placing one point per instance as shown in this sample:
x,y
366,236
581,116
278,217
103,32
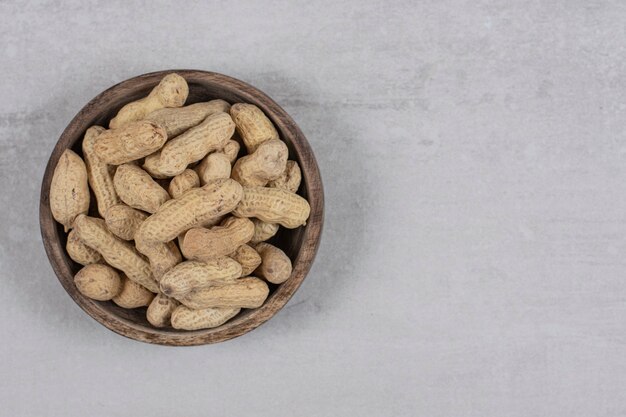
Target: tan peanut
x,y
100,174
290,178
203,244
116,252
191,146
137,189
263,231
275,266
123,221
252,125
129,143
266,163
177,120
248,258
192,208
79,252
162,256
160,310
132,295
231,150
184,181
69,192
191,275
172,91
214,221
185,318
98,282
249,292
212,167
273,205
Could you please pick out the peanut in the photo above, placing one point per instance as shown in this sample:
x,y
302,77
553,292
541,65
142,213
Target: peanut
x,y
290,178
185,318
249,292
191,146
214,166
100,174
248,258
177,120
116,252
172,91
69,192
137,189
275,266
203,244
266,163
263,231
162,256
132,295
99,282
123,221
184,181
231,150
160,310
252,125
273,205
190,275
129,143
79,252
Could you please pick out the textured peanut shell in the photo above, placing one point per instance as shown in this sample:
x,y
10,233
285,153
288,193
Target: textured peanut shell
x,y
116,252
191,146
124,221
184,181
207,223
249,292
263,231
162,256
290,178
79,252
202,244
100,174
185,318
191,275
69,192
160,310
267,162
248,258
133,295
275,266
192,208
136,188
214,166
172,91
98,282
129,143
231,150
252,125
273,205
176,120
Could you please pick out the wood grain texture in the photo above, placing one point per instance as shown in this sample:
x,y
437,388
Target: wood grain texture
x,y
299,244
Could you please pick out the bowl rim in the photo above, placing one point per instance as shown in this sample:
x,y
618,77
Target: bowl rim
x,y
61,264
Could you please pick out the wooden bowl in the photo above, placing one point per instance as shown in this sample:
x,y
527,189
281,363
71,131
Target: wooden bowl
x,y
299,244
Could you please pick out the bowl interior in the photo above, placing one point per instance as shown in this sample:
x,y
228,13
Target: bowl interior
x,y
299,244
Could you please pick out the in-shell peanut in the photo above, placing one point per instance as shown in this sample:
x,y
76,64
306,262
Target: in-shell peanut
x,y
69,192
99,282
266,163
124,221
129,143
263,231
184,181
100,174
252,125
185,318
160,310
273,205
275,266
204,244
176,120
249,292
248,258
290,178
231,150
79,252
137,189
162,256
132,295
190,275
214,166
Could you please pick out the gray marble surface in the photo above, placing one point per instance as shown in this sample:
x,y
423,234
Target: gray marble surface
x,y
473,156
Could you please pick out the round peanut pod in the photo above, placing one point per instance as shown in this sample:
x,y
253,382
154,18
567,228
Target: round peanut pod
x,y
248,258
100,174
162,256
267,162
176,120
185,318
172,91
252,125
263,231
275,266
190,275
231,150
184,181
137,189
160,310
290,178
203,244
191,146
124,221
132,295
129,143
248,292
69,192
212,167
79,252
98,282
273,205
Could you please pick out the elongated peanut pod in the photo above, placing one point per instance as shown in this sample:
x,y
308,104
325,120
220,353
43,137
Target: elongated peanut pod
x,y
212,167
266,163
263,231
69,192
290,178
172,91
184,181
185,318
231,150
248,258
177,120
79,252
273,205
252,125
190,275
124,221
129,143
249,292
99,282
100,174
137,189
160,310
203,244
132,295
116,252
275,266
162,256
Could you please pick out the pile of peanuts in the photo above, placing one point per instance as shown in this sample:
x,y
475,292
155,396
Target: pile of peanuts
x,y
180,222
